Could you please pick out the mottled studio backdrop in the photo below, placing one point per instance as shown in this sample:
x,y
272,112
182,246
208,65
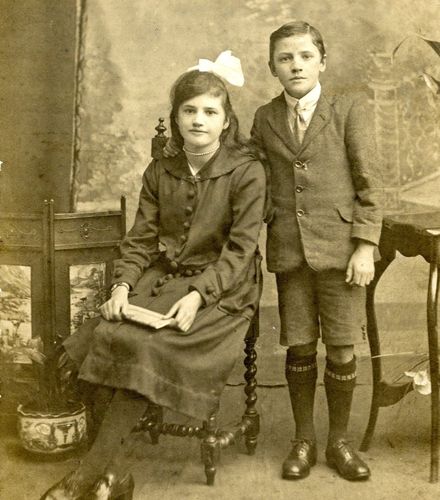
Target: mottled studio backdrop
x,y
134,50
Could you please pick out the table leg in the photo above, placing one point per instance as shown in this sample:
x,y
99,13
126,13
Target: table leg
x,y
374,343
433,290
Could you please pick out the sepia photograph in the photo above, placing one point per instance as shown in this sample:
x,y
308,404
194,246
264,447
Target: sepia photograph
x,y
219,249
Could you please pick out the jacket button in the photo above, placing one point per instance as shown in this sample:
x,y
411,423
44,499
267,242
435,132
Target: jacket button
x,y
300,164
188,210
183,238
191,193
210,289
299,189
188,272
174,265
186,225
300,213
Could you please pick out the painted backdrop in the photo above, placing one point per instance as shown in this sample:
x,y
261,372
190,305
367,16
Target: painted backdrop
x,y
134,50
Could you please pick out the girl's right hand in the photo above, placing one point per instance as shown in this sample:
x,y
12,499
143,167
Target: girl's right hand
x,y
115,308
184,310
170,149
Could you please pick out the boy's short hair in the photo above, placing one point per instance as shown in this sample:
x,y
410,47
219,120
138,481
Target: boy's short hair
x,y
296,28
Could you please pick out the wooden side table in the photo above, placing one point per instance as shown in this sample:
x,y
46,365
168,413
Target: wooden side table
x,y
411,235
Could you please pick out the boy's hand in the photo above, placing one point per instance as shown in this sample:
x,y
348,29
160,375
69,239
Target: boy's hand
x,y
185,310
360,269
170,150
115,308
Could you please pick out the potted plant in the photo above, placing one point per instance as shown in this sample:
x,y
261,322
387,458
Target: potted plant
x,y
50,419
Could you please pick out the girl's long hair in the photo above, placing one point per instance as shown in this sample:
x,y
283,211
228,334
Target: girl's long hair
x,y
194,83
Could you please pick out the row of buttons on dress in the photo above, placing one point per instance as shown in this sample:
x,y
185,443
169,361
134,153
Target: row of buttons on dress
x,y
302,165
160,282
189,210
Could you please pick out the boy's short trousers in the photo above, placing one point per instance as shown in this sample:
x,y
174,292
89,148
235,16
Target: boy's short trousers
x,y
311,301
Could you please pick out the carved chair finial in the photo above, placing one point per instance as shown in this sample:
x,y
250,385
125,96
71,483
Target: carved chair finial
x,y
159,140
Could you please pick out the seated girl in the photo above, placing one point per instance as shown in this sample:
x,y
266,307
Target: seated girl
x,y
192,256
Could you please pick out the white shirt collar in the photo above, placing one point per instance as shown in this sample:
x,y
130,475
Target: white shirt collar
x,y
307,102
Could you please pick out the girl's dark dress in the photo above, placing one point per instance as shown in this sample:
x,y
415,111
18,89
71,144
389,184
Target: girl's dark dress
x,y
190,233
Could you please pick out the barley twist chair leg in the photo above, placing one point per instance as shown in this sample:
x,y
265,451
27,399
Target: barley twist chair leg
x,y
210,449
251,413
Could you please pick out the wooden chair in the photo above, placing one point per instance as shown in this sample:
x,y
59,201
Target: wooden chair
x,y
212,438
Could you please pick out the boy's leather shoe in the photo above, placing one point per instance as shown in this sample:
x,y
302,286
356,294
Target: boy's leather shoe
x,y
345,460
300,459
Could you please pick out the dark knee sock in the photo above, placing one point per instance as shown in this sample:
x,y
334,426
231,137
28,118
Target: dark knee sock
x,y
301,374
123,412
339,382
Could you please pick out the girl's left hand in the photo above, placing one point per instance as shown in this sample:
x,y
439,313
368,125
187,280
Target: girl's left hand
x,y
360,269
185,310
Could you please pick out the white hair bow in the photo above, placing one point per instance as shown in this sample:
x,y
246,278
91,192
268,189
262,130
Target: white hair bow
x,y
226,66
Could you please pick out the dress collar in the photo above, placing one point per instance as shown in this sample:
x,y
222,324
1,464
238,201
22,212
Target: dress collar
x,y
223,161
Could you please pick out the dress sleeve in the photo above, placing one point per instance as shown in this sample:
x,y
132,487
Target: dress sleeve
x,y
366,172
238,252
140,247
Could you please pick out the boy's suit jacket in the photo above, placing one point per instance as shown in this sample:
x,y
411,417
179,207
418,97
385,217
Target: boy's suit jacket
x,y
324,193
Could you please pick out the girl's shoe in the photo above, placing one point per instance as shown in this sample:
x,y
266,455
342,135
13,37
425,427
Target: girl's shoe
x,y
71,487
108,487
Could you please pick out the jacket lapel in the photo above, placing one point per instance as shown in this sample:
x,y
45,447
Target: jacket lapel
x,y
320,119
279,123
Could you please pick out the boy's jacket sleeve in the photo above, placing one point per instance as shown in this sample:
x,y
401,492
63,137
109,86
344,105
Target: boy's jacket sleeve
x,y
366,172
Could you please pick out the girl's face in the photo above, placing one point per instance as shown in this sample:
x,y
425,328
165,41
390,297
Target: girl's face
x,y
297,63
201,120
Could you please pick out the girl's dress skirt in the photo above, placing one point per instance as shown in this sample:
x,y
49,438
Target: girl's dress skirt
x,y
185,372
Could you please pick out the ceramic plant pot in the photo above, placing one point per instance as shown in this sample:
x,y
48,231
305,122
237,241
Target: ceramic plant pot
x,y
52,432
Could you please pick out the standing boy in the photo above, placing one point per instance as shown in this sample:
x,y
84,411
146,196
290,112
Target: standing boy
x,y
324,221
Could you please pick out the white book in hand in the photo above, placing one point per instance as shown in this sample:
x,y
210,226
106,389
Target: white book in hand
x,y
146,317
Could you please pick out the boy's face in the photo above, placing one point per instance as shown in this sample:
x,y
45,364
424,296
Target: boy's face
x,y
297,64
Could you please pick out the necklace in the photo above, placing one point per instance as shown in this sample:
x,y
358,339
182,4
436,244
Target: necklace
x,y
205,153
